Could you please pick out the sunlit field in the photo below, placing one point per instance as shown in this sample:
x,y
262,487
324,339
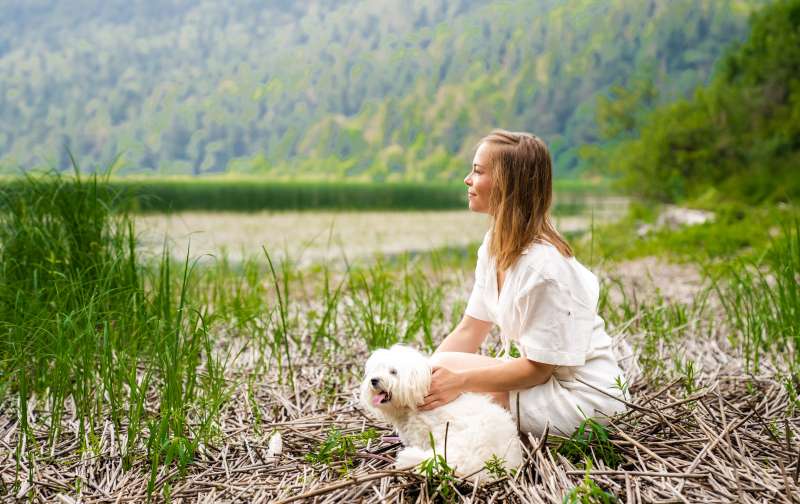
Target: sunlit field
x,y
129,376
337,236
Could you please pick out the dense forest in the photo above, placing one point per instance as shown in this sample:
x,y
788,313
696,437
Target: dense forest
x,y
737,138
380,90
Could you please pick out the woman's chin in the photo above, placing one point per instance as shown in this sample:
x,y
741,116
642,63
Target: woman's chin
x,y
475,208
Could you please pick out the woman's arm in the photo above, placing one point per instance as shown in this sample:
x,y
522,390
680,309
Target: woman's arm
x,y
517,374
467,336
520,373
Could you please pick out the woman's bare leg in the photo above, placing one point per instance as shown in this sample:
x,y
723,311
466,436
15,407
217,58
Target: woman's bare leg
x,y
460,360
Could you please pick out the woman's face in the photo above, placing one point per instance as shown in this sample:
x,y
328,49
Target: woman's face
x,y
479,181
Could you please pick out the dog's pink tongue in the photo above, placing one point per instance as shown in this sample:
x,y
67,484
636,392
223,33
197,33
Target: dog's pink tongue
x,y
376,399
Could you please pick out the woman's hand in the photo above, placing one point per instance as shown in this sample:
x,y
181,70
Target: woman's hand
x,y
446,385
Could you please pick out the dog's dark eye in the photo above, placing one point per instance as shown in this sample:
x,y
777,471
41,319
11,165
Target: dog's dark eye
x,y
393,371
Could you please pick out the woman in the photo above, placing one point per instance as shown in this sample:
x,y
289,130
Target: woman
x,y
529,284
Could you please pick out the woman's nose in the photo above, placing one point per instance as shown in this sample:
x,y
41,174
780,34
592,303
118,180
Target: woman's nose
x,y
468,180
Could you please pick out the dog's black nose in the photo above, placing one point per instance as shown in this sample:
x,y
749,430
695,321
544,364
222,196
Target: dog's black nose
x,y
375,382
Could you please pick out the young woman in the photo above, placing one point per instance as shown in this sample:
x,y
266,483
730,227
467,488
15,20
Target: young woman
x,y
529,284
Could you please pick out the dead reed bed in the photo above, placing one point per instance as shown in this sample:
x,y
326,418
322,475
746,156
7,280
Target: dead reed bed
x,y
718,435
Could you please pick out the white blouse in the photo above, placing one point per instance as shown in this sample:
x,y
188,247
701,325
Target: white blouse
x,y
548,305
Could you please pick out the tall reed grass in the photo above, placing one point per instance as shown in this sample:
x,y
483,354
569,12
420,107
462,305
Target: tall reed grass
x,y
761,298
85,329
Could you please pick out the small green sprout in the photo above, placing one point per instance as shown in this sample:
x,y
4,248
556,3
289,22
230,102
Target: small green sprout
x,y
588,492
339,447
496,467
590,439
439,475
621,384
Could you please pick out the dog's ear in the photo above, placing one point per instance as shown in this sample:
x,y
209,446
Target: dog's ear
x,y
374,359
423,380
416,381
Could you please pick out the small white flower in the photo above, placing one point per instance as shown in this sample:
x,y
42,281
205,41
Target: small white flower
x,y
275,445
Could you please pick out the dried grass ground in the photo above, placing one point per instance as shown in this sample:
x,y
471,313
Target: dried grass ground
x,y
711,435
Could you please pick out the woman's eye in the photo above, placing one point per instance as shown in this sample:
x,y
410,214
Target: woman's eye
x,y
393,371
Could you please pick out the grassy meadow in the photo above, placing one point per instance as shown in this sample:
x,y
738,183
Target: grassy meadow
x,y
128,378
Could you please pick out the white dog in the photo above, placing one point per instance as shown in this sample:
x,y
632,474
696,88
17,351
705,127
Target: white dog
x,y
397,380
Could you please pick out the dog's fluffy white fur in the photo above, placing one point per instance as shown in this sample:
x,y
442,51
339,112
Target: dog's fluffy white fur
x,y
397,380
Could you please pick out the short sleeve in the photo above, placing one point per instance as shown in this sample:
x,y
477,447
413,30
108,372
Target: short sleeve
x,y
476,307
554,327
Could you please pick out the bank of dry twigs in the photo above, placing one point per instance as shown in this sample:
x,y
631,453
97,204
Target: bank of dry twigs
x,y
728,440
724,443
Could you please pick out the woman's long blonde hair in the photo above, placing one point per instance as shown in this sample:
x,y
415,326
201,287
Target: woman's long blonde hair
x,y
521,196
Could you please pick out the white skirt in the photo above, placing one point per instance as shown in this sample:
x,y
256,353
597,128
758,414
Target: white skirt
x,y
563,402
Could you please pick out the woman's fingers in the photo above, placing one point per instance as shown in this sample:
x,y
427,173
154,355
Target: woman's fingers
x,y
430,405
433,401
429,402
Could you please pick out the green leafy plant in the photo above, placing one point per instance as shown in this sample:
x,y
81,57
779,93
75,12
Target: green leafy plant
x,y
496,466
341,448
688,370
588,492
439,475
590,440
621,384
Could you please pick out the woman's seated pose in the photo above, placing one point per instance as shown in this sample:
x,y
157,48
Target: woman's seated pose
x,y
528,282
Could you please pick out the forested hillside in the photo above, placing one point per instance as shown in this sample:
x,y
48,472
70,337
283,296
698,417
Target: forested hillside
x,y
736,139
385,90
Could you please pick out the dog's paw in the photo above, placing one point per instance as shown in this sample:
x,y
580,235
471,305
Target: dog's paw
x,y
411,458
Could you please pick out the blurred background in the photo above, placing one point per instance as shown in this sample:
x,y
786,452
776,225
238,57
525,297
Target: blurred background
x,y
374,106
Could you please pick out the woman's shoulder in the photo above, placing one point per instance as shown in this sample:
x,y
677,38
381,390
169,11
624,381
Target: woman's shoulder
x,y
541,256
545,263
